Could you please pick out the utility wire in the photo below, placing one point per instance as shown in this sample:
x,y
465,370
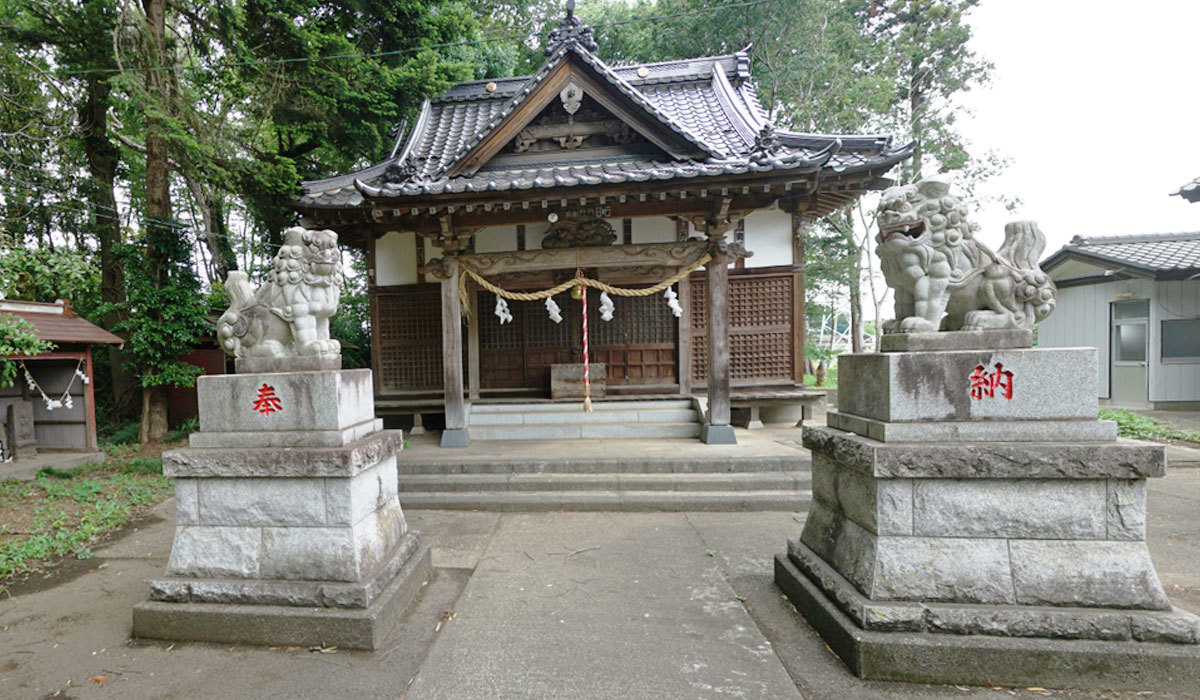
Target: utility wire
x,y
400,52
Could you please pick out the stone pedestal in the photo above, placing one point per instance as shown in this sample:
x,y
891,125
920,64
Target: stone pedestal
x,y
961,536
288,526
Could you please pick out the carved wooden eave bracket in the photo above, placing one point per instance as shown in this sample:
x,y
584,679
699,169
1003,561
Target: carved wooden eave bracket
x,y
438,268
450,239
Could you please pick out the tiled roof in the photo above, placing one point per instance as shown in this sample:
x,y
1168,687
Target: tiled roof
x,y
1190,191
1171,254
710,102
57,323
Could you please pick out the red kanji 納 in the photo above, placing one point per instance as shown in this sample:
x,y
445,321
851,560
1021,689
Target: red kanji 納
x,y
267,402
985,383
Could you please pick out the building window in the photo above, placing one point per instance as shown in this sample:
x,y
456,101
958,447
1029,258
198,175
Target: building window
x,y
627,228
1181,340
1131,309
1131,342
520,236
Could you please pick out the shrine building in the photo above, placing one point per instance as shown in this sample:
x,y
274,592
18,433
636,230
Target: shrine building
x,y
630,175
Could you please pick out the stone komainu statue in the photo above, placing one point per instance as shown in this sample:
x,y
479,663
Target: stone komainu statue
x,y
944,279
289,314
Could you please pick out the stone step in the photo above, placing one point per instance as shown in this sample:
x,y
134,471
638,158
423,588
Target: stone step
x,y
656,415
552,407
711,481
560,431
538,463
791,500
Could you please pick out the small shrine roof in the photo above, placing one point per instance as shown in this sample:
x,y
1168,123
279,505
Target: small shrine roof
x,y
1159,255
58,322
709,102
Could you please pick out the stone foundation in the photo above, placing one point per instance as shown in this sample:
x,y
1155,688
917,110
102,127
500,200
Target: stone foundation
x,y
292,532
948,524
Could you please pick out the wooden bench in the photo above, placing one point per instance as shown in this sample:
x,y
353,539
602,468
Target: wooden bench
x,y
756,400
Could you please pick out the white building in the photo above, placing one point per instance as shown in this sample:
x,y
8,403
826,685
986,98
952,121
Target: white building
x,y
1137,299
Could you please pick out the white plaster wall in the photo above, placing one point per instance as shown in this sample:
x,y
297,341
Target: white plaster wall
x,y
534,234
655,229
769,237
396,259
1173,381
432,252
496,239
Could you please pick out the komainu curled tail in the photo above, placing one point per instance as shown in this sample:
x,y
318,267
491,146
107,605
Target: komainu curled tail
x,y
1033,290
1023,244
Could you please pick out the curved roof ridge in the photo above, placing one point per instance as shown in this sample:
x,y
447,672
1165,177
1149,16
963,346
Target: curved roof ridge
x,y
1135,238
737,112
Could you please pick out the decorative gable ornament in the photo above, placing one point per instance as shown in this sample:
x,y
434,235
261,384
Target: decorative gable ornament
x,y
572,97
571,30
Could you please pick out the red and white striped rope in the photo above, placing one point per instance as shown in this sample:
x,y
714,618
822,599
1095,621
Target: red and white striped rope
x,y
587,382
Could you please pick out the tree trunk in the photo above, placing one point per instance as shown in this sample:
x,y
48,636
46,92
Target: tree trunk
x,y
158,201
855,282
102,157
822,368
215,235
154,414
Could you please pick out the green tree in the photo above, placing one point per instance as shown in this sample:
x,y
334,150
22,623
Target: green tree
x,y
17,337
163,316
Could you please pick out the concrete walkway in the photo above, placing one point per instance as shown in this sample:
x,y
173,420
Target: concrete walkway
x,y
27,469
579,605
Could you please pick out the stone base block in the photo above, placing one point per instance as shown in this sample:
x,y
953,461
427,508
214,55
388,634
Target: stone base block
x,y
301,363
297,593
364,628
293,403
249,439
1120,459
996,339
456,438
1030,384
1171,626
976,431
717,434
923,657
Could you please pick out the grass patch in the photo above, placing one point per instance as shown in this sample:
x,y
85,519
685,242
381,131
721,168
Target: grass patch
x,y
831,378
1140,427
60,513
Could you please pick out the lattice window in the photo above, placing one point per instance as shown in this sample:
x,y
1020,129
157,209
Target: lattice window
x,y
492,335
760,301
541,332
637,320
409,326
760,328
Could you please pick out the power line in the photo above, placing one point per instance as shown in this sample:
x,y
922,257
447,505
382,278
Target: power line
x,y
401,52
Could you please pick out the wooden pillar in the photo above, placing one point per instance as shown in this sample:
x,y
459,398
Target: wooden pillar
x,y
717,430
473,343
799,231
455,434
90,396
685,336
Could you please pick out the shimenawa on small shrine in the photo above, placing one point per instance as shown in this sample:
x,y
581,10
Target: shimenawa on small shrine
x,y
654,182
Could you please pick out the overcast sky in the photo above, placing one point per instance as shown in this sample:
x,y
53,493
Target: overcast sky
x,y
1095,104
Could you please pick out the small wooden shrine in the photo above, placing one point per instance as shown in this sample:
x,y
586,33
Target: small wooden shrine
x,y
628,175
52,405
